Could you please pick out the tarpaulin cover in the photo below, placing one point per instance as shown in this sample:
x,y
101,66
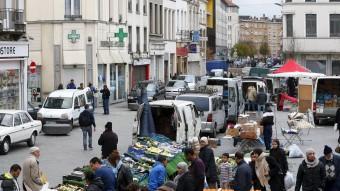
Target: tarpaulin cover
x,y
217,64
291,66
147,127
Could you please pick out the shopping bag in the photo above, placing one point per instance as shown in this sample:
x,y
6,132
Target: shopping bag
x,y
289,180
295,152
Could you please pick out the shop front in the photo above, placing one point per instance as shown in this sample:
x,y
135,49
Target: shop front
x,y
140,70
112,68
182,60
13,75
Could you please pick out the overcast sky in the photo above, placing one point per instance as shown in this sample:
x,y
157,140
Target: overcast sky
x,y
258,7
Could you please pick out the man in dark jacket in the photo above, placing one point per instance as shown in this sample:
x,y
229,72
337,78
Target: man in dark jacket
x,y
86,120
337,121
71,85
9,180
332,168
93,183
261,100
311,174
243,174
267,123
196,168
207,156
108,140
106,97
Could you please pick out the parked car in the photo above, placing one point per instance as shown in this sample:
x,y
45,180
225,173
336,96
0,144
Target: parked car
x,y
61,109
211,110
155,90
177,120
174,87
17,126
190,79
32,110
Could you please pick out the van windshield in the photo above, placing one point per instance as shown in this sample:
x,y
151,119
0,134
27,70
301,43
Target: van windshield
x,y
189,79
216,82
58,103
202,103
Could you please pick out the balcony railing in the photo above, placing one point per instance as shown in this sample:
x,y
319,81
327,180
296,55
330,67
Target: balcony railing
x,y
12,20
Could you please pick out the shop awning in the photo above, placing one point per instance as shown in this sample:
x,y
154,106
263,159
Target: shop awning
x,y
104,57
36,57
126,57
117,58
74,57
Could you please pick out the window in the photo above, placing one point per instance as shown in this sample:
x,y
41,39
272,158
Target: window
x,y
25,118
72,9
144,7
137,6
82,100
334,25
288,1
289,23
6,120
317,66
145,39
311,25
138,39
17,120
130,38
310,1
76,103
130,6
334,0
336,67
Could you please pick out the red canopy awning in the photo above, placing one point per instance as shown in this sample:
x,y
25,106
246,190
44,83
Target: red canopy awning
x,y
291,66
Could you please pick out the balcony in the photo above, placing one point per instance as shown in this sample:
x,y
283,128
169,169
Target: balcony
x,y
12,21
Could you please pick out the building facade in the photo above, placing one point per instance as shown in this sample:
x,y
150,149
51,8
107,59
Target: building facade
x,y
13,56
169,36
156,42
84,40
138,47
311,34
203,35
262,30
223,27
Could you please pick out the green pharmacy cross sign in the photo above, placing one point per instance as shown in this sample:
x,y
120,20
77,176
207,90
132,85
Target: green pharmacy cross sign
x,y
73,36
121,35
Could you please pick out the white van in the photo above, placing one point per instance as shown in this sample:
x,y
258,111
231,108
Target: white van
x,y
326,98
211,110
177,120
61,109
230,89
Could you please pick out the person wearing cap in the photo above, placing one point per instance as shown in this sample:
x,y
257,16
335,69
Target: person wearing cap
x,y
108,140
311,174
332,168
207,156
71,85
157,174
196,168
31,173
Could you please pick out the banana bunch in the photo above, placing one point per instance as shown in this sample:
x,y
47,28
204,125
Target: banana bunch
x,y
68,187
154,150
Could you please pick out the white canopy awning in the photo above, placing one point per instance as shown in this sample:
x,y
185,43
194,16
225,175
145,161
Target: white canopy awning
x,y
74,57
296,75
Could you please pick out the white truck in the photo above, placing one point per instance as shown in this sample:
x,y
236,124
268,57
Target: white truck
x,y
177,120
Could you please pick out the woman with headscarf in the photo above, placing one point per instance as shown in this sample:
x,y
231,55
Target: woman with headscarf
x,y
311,174
279,155
268,171
184,180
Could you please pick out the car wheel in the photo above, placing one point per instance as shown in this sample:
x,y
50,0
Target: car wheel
x,y
316,121
72,124
31,141
5,146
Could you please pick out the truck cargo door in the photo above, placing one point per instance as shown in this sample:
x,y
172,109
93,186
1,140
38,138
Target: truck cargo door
x,y
305,95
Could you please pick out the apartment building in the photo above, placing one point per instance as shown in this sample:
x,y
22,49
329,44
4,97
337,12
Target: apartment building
x,y
311,34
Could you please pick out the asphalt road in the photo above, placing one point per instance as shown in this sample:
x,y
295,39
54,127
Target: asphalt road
x,y
61,154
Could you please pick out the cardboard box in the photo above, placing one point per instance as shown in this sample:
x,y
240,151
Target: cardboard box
x,y
234,132
242,119
248,135
249,126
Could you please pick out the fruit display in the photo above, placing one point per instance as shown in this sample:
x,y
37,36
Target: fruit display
x,y
68,187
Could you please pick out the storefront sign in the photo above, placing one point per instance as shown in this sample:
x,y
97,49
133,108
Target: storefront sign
x,y
195,36
141,62
121,35
182,51
73,36
192,48
13,50
111,44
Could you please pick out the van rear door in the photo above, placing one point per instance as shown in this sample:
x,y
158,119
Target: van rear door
x,y
136,124
305,95
232,100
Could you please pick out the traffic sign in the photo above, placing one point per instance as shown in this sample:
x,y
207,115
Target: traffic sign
x,y
33,67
